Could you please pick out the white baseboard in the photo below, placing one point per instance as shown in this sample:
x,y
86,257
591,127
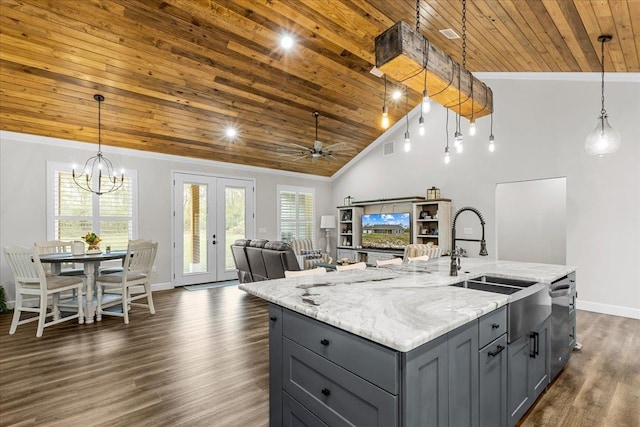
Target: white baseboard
x,y
615,310
161,286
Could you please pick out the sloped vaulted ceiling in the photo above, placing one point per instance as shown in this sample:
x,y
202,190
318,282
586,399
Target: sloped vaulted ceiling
x,y
175,73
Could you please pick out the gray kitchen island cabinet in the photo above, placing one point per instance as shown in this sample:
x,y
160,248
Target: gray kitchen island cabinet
x,y
528,371
331,377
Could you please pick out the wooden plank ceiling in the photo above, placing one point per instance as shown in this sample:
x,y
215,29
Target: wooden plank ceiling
x,y
176,73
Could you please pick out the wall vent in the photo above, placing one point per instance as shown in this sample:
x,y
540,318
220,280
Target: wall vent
x,y
388,148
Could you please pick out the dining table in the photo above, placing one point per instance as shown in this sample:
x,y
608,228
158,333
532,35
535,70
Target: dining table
x,y
90,264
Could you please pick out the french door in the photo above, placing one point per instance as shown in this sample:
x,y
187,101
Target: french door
x,y
210,213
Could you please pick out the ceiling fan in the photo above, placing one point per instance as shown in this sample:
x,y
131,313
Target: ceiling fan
x,y
317,150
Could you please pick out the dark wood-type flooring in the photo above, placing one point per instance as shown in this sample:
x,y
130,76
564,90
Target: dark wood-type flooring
x,y
202,360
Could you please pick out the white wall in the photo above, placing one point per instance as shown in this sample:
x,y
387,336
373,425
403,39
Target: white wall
x,y
531,221
23,193
540,127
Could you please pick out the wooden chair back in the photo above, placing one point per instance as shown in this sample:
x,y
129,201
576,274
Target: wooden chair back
x,y
312,272
356,266
25,265
380,262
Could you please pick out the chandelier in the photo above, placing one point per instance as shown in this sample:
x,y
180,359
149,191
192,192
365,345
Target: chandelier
x,y
98,175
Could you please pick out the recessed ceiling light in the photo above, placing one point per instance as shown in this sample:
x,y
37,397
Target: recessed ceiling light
x,y
286,41
397,94
449,33
231,132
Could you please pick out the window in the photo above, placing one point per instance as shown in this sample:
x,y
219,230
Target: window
x,y
296,213
73,212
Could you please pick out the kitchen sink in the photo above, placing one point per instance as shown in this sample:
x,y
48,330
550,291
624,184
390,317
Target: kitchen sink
x,y
487,287
503,281
529,302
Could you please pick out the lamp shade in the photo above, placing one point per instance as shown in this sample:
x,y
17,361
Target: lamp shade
x,y
328,221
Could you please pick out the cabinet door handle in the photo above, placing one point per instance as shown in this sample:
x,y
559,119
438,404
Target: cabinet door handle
x,y
497,352
537,343
532,346
326,392
495,325
273,318
324,341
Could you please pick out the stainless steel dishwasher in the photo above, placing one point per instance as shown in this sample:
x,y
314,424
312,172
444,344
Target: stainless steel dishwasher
x,y
562,335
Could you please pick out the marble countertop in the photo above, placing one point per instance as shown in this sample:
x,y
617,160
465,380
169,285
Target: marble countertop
x,y
400,307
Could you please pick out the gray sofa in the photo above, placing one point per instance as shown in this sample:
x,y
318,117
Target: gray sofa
x,y
259,259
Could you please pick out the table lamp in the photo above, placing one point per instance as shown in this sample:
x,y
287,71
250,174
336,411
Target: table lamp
x,y
327,222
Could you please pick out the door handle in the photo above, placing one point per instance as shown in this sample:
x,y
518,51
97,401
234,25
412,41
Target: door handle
x,y
213,242
498,350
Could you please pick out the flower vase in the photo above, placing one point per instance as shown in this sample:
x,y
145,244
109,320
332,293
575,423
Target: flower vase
x,y
94,247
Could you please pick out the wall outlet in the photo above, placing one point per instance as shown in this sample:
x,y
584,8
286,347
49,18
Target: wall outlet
x,y
468,230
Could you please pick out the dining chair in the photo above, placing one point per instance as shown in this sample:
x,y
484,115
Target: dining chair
x,y
418,258
31,280
380,262
311,272
356,266
117,269
136,270
59,247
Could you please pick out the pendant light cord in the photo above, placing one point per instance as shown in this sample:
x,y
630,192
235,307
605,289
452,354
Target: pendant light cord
x,y
603,111
99,98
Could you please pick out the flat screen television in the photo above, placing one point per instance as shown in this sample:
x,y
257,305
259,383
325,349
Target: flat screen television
x,y
386,231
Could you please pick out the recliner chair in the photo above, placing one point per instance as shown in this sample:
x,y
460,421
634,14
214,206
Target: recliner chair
x,y
256,262
262,260
242,262
278,258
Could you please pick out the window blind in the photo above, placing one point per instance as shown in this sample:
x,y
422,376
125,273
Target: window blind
x,y
77,212
296,207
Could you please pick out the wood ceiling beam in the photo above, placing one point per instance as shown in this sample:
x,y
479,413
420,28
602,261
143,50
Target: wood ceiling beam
x,y
400,54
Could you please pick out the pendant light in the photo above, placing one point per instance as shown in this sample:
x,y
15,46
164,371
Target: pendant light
x,y
385,110
407,138
603,139
458,138
426,104
447,155
472,122
492,142
99,167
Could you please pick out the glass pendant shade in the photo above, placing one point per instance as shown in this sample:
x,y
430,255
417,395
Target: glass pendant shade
x,y
492,144
407,142
472,127
421,126
385,117
447,157
426,103
457,142
603,139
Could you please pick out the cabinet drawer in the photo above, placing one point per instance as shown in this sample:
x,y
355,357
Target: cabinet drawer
x,y
296,415
492,325
367,359
333,394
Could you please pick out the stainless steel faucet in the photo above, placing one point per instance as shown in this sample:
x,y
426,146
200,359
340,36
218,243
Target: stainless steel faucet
x,y
455,255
